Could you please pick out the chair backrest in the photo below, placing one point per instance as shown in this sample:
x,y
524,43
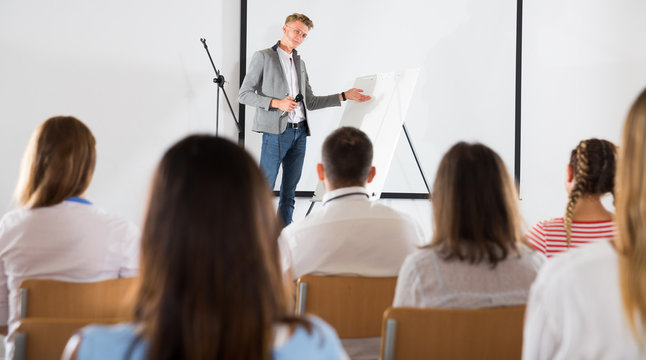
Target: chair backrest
x,y
59,299
354,306
42,339
488,333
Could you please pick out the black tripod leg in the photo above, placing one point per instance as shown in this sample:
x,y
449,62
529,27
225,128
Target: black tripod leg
x,y
231,109
217,112
410,143
310,209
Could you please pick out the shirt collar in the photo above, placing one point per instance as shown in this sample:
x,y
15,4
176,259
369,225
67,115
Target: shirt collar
x,y
294,53
284,53
358,190
284,56
78,200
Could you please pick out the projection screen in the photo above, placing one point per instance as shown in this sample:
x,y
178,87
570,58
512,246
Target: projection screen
x,y
466,88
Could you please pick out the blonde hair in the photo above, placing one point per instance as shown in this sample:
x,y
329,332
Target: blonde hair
x,y
631,215
475,207
300,17
593,162
57,164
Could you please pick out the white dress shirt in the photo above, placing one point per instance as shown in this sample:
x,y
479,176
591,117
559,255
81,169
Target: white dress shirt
x,y
349,235
287,63
575,309
70,241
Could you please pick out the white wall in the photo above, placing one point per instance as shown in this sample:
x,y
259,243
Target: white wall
x,y
133,71
137,74
583,65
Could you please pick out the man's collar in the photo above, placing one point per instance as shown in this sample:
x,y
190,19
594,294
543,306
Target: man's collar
x,y
283,53
275,48
358,190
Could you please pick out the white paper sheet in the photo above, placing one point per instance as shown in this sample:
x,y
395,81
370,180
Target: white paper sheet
x,y
381,119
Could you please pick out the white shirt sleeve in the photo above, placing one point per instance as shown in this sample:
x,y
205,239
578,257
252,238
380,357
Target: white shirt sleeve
x,y
130,251
542,335
4,296
407,284
4,290
285,254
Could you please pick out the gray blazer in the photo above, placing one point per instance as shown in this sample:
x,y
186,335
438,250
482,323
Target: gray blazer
x,y
265,80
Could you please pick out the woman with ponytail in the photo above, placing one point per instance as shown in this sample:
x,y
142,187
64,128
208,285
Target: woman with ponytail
x,y
590,176
591,302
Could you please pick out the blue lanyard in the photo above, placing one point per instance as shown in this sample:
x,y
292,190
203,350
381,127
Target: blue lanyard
x,y
78,200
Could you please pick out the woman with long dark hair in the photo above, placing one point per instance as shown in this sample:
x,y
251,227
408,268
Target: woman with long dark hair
x,y
211,284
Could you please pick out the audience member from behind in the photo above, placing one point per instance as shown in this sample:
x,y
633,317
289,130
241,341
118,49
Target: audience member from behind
x,y
590,303
211,281
477,256
590,175
350,234
57,233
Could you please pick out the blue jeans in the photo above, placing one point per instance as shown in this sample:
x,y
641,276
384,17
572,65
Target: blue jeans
x,y
291,153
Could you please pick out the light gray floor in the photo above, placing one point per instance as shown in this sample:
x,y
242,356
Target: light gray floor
x,y
362,348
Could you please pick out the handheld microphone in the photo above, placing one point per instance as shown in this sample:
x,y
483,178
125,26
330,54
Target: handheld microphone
x,y
297,99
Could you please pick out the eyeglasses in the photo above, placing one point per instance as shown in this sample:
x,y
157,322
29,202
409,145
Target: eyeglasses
x,y
298,32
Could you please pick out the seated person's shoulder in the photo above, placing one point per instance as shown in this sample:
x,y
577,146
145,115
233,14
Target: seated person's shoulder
x,y
316,340
422,258
383,211
108,341
531,256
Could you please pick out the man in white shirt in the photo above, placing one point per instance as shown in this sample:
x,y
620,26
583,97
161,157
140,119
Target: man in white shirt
x,y
351,234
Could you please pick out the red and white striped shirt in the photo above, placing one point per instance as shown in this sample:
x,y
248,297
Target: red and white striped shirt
x,y
549,236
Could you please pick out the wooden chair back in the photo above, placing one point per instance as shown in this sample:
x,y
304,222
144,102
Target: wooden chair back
x,y
354,306
489,333
42,339
59,299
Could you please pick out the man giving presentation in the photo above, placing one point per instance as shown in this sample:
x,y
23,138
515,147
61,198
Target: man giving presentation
x,y
277,85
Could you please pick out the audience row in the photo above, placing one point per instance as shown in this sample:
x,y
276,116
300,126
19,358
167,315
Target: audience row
x,y
217,269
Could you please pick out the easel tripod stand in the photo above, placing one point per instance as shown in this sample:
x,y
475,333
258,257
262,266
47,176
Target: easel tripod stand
x,y
219,80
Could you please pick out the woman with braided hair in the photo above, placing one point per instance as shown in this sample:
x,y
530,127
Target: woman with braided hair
x,y
590,303
590,176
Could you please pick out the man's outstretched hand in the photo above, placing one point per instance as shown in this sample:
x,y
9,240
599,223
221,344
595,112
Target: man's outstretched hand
x,y
356,95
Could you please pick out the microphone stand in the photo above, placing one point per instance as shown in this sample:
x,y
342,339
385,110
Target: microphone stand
x,y
219,79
